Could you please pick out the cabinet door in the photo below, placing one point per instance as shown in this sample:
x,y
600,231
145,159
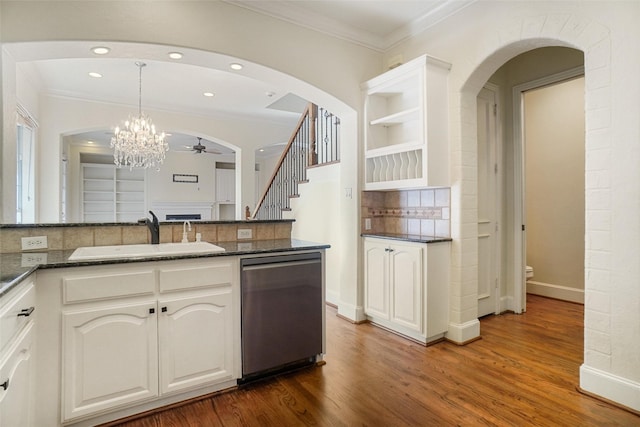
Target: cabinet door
x,y
376,279
225,185
15,377
110,357
196,340
406,286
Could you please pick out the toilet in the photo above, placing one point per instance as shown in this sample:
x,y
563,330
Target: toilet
x,y
529,271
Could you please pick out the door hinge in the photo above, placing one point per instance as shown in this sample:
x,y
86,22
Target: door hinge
x,y
495,109
495,168
523,227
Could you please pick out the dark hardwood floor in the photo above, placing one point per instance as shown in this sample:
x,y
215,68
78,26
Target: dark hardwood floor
x,y
523,372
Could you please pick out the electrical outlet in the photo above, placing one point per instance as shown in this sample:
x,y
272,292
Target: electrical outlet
x,y
245,246
367,223
31,260
244,233
30,243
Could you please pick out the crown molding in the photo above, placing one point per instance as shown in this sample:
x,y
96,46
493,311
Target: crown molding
x,y
296,13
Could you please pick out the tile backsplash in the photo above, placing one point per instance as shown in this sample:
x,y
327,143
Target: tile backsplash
x,y
71,237
424,212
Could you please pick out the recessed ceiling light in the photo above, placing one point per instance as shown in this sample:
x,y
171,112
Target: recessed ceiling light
x,y
175,55
236,66
269,93
94,74
100,50
208,94
89,142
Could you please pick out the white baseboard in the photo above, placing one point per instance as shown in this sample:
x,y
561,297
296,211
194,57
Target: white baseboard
x,y
611,387
463,332
555,291
351,312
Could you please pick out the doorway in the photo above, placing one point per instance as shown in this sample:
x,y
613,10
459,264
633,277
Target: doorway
x,y
554,147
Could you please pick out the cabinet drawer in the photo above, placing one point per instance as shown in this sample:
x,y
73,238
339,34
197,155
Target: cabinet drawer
x,y
106,286
206,276
19,309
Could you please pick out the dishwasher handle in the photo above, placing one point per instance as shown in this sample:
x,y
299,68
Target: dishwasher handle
x,y
278,265
273,261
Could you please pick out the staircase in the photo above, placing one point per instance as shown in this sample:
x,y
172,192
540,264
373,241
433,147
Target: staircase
x,y
314,142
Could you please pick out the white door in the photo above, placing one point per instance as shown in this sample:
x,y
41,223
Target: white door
x,y
110,357
376,279
406,286
488,282
15,391
196,341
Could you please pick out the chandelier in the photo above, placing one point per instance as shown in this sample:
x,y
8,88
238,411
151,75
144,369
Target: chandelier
x,y
137,144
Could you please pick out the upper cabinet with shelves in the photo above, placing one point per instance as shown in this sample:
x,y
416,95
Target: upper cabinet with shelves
x,y
406,137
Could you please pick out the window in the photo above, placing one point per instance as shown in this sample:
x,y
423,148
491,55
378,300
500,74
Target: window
x,y
25,174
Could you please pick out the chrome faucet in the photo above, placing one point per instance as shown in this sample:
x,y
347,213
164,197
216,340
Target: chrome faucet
x,y
154,228
184,231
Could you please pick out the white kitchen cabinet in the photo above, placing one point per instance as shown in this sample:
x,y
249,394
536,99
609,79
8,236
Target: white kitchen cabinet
x,y
110,356
17,320
133,337
16,371
406,126
406,287
186,359
226,185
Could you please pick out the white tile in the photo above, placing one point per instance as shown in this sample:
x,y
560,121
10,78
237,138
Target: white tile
x,y
442,197
427,227
427,198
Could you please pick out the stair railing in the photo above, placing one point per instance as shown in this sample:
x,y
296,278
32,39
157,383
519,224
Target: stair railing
x,y
314,142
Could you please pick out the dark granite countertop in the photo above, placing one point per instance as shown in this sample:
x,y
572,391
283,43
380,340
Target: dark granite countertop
x,y
15,267
408,237
120,224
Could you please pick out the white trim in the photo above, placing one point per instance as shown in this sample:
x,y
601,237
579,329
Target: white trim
x,y
564,293
611,387
463,332
519,235
351,312
499,192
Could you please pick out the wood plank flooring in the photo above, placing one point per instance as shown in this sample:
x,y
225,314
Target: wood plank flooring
x,y
523,372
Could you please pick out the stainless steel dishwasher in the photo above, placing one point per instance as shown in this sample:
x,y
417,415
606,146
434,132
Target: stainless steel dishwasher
x,y
282,312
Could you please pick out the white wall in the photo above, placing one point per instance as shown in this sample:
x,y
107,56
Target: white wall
x,y
315,212
162,188
477,41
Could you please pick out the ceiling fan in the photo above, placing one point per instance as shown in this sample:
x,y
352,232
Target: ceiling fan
x,y
199,148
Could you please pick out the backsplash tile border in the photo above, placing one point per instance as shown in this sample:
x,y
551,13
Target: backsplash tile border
x,y
424,212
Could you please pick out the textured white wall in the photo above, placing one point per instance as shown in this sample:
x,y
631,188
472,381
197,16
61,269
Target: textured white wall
x,y
477,42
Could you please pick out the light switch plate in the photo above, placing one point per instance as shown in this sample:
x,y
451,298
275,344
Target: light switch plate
x,y
367,223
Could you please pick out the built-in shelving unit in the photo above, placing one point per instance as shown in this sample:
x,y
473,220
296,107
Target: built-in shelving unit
x,y
406,137
111,194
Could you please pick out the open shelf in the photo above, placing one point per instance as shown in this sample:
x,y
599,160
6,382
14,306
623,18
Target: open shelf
x,y
406,126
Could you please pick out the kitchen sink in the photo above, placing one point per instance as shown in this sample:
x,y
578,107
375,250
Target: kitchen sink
x,y
143,250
